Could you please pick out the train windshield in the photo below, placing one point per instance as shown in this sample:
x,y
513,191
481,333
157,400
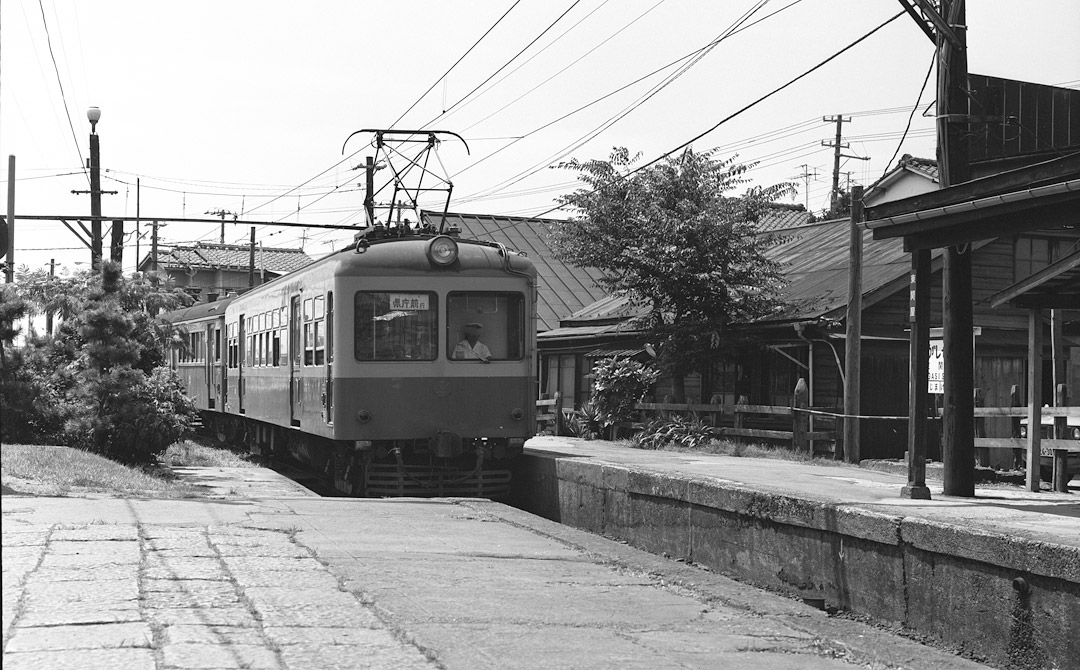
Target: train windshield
x,y
396,326
483,325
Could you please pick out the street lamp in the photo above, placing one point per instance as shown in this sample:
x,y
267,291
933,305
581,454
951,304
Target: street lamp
x,y
94,115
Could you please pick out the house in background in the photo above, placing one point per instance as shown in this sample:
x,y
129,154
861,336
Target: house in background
x,y
207,270
809,339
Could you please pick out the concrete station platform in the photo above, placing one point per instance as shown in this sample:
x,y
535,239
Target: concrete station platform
x,y
997,575
267,575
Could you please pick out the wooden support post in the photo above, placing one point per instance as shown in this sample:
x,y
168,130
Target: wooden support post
x,y
982,454
739,419
1061,423
853,348
1061,432
1061,465
918,383
1016,400
559,428
1035,344
800,421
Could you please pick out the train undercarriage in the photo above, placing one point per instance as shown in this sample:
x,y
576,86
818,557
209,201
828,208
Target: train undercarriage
x,y
446,465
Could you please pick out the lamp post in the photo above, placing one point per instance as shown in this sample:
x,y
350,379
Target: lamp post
x,y
94,115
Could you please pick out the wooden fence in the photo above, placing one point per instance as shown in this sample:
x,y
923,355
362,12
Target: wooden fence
x,y
737,421
769,422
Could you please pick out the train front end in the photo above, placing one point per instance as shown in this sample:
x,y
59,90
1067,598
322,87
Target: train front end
x,y
433,384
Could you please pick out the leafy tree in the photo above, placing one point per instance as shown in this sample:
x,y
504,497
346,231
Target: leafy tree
x,y
672,239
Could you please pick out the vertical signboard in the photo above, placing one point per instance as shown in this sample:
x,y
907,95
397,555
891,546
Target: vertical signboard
x,y
936,371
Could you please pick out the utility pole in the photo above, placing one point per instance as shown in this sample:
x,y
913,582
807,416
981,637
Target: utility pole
x,y
837,145
806,176
853,348
94,115
958,436
222,213
138,228
153,248
251,261
9,225
369,182
95,191
49,312
116,246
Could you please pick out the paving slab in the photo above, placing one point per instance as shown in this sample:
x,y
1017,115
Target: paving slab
x,y
298,582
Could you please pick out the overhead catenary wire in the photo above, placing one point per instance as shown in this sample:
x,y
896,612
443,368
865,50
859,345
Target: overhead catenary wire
x,y
769,94
467,52
735,29
507,63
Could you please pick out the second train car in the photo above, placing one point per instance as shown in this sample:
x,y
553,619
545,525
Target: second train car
x,y
400,366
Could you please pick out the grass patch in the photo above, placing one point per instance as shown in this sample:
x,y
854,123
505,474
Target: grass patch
x,y
192,454
63,471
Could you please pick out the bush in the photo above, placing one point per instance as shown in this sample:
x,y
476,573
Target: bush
x,y
589,421
129,418
28,403
619,384
674,430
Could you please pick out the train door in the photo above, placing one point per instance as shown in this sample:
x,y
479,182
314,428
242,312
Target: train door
x,y
295,356
208,366
328,405
242,362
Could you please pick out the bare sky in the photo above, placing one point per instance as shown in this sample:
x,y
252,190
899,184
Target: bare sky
x,y
244,106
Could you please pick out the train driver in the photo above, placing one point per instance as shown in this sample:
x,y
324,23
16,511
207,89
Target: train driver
x,y
471,347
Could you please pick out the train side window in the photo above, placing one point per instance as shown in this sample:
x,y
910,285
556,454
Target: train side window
x,y
497,319
309,344
283,338
395,325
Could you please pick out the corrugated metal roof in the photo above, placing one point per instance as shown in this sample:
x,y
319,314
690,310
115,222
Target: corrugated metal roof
x,y
210,256
563,288
815,265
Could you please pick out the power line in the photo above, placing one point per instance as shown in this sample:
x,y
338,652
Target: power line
x,y
506,64
436,83
570,65
696,54
769,94
918,101
63,96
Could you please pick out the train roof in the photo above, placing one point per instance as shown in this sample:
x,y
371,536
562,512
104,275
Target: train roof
x,y
202,310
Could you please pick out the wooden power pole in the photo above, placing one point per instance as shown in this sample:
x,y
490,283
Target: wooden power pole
x,y
958,421
853,349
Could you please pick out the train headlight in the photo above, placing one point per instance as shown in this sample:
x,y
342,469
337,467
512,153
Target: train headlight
x,y
363,416
518,414
442,250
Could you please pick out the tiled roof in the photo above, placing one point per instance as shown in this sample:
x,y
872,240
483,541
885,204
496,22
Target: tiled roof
x,y
924,167
563,288
209,256
783,216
